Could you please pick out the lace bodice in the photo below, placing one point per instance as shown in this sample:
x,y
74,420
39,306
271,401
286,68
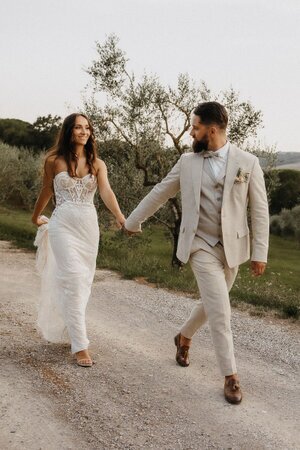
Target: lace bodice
x,y
75,190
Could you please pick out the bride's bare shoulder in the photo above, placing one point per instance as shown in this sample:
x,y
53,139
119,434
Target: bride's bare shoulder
x,y
54,164
50,165
100,166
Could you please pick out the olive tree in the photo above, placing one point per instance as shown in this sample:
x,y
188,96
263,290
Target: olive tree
x,y
153,119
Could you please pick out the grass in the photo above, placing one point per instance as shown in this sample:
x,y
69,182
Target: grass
x,y
148,256
279,288
16,226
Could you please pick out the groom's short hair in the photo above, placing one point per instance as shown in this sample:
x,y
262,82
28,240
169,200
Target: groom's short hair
x,y
212,113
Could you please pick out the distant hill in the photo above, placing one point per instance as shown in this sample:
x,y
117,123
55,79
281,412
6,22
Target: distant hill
x,y
288,160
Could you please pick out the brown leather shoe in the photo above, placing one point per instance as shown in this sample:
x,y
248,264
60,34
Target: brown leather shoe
x,y
182,354
232,391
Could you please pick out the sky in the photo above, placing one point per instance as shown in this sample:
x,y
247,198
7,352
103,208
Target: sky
x,y
252,46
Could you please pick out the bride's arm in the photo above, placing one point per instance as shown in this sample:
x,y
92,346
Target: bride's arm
x,y
45,194
107,194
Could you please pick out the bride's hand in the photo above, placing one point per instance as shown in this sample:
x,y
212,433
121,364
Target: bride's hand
x,y
120,220
41,220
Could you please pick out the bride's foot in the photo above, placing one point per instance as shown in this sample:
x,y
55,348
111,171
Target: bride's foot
x,y
83,359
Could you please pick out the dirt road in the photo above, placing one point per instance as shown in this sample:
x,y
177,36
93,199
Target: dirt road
x,y
135,396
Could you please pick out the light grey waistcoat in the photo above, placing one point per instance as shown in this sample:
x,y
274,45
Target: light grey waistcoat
x,y
211,196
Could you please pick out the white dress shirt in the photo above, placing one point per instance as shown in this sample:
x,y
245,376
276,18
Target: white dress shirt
x,y
218,165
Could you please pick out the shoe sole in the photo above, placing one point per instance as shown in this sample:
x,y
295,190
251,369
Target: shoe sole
x,y
236,402
175,341
78,363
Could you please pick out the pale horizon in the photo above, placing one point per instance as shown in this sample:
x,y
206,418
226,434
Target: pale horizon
x,y
251,46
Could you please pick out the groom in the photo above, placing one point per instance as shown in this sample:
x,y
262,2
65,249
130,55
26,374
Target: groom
x,y
217,183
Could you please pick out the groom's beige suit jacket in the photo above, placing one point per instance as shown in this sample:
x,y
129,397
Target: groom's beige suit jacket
x,y
186,176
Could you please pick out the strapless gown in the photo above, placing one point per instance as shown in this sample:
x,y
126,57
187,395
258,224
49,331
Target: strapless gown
x,y
67,248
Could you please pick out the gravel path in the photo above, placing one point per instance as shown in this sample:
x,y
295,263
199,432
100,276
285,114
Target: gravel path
x,y
135,396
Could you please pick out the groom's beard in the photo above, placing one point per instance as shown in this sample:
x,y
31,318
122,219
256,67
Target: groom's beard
x,y
200,146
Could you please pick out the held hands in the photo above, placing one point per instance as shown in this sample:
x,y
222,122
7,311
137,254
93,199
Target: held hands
x,y
121,225
120,220
257,268
129,233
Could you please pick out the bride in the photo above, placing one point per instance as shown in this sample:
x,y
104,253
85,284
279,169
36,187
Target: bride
x,y
68,242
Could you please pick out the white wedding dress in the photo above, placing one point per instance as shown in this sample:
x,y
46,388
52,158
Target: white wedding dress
x,y
66,260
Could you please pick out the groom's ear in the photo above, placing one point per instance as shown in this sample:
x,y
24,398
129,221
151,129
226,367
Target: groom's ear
x,y
214,130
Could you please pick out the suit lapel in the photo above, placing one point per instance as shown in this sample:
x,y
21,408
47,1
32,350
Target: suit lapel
x,y
197,166
231,170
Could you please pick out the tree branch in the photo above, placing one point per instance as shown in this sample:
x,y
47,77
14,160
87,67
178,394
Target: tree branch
x,y
121,132
163,222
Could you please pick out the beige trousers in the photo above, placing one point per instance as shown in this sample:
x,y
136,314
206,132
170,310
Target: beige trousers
x,y
215,280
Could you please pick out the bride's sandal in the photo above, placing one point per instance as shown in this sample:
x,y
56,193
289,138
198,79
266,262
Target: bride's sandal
x,y
83,359
85,362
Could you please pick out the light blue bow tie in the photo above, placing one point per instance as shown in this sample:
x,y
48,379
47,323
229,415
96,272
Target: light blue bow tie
x,y
210,154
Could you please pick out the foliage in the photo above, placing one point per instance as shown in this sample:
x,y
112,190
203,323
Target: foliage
x,y
244,120
15,132
37,136
124,181
19,176
287,223
44,131
287,192
153,119
267,158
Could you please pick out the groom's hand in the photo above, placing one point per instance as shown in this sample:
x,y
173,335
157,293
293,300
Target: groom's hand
x,y
128,232
257,268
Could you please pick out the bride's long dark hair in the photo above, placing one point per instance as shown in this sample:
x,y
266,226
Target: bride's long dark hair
x,y
65,148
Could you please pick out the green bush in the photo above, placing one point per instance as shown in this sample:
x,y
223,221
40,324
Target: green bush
x,y
287,192
20,176
37,136
275,225
287,223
